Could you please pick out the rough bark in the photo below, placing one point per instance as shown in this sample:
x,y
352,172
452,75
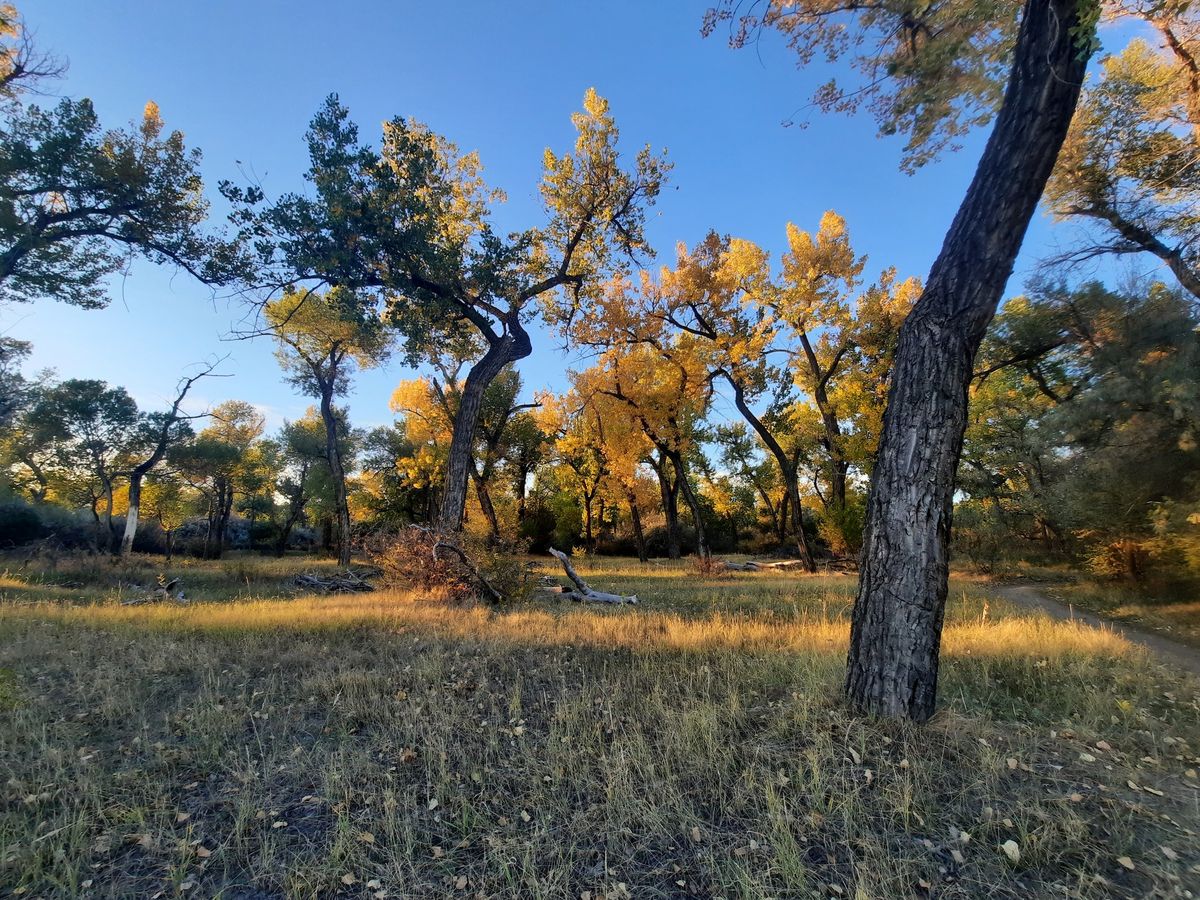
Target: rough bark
x,y
896,628
503,350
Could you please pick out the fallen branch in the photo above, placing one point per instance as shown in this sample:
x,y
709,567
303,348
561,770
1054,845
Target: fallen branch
x,y
583,591
348,582
469,566
160,594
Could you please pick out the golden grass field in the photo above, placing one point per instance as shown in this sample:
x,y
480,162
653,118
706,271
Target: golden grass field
x,y
256,744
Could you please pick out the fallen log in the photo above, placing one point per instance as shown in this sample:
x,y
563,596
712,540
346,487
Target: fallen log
x,y
583,591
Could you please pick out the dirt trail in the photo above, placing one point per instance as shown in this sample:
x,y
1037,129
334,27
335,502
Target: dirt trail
x,y
1033,596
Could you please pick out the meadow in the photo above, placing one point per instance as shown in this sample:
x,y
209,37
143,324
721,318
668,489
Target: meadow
x,y
258,743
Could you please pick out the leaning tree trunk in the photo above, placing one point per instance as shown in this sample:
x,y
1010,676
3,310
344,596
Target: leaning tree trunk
x,y
509,348
896,629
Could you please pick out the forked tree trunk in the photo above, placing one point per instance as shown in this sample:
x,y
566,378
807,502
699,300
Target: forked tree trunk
x,y
896,629
506,349
669,491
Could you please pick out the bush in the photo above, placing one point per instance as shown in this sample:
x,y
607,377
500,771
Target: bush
x,y
19,523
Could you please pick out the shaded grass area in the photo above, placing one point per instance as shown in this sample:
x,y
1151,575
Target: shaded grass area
x,y
264,745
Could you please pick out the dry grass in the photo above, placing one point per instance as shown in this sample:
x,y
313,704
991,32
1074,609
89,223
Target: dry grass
x,y
263,745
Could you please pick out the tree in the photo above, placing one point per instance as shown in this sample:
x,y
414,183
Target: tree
x,y
304,454
77,203
936,71
91,428
168,501
666,394
409,223
1129,163
159,432
321,339
1084,431
14,388
219,464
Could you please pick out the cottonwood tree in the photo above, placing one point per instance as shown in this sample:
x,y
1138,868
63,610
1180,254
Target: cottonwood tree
x,y
305,473
433,402
77,202
408,224
14,387
91,429
842,337
1087,439
934,71
1130,165
322,338
219,465
701,312
167,500
667,395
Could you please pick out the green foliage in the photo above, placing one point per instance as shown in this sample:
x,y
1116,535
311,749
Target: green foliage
x,y
929,71
1083,431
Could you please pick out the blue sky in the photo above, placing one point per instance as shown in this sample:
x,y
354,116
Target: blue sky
x,y
242,79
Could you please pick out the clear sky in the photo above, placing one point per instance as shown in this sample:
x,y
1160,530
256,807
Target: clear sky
x,y
242,79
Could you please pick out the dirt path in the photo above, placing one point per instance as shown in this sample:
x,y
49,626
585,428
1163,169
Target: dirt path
x,y
1033,596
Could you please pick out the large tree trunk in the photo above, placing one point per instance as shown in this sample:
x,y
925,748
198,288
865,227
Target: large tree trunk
x,y
787,471
333,453
668,488
506,349
896,630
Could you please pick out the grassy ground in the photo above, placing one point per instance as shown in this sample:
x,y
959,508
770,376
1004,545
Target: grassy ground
x,y
1175,614
258,744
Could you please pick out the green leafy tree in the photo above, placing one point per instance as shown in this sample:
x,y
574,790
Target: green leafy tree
x,y
407,225
78,202
91,429
322,338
